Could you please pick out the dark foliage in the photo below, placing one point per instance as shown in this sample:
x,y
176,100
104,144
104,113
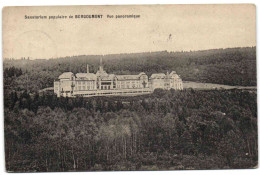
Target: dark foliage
x,y
165,130
187,129
234,66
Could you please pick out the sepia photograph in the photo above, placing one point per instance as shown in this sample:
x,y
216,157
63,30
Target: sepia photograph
x,y
129,87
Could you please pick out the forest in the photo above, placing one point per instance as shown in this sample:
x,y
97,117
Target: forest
x,y
165,130
231,66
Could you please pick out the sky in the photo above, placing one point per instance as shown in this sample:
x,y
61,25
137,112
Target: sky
x,y
160,27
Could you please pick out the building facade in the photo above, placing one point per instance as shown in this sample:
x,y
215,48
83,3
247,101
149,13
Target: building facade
x,y
104,84
168,81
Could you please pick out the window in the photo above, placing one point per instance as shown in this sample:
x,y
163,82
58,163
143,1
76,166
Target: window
x,y
127,84
133,84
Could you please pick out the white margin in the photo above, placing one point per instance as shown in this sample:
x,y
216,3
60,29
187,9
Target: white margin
x,y
125,2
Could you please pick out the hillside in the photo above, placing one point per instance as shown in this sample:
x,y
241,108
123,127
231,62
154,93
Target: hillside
x,y
166,130
231,66
213,128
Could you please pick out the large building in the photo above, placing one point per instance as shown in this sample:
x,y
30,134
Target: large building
x,y
104,84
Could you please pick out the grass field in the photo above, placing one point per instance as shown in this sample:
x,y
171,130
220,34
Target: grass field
x,y
209,86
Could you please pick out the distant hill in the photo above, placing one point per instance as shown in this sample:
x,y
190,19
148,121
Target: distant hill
x,y
231,66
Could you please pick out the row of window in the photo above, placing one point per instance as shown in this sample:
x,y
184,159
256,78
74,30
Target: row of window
x,y
85,82
106,87
81,88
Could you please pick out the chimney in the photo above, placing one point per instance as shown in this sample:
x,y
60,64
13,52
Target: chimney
x,y
87,69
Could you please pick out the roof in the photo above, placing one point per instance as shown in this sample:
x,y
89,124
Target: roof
x,y
108,77
127,77
174,75
66,75
87,76
160,75
130,77
173,72
142,73
101,73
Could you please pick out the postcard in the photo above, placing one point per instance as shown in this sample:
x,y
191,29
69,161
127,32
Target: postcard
x,y
130,87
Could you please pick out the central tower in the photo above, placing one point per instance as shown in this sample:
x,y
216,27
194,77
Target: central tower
x,y
101,65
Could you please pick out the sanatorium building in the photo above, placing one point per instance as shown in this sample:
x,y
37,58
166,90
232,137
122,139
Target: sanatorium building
x,y
104,84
